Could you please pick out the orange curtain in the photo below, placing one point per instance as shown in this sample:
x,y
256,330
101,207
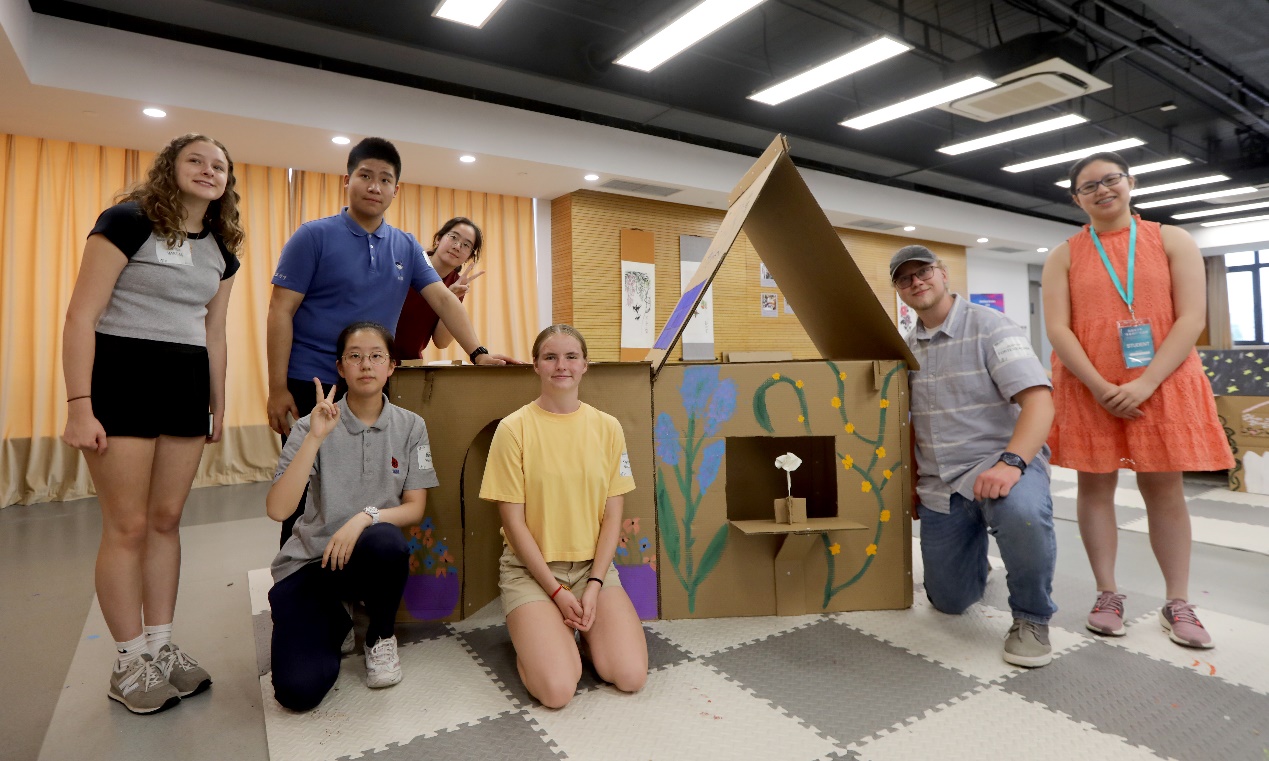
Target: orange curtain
x,y
50,195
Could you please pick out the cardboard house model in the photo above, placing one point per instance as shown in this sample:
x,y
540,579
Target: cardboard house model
x,y
700,539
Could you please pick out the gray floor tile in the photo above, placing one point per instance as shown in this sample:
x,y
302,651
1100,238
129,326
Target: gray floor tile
x,y
509,737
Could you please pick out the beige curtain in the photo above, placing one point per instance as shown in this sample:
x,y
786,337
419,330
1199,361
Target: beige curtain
x,y
1219,333
50,195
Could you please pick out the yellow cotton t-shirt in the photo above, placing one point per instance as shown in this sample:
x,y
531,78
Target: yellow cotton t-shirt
x,y
562,468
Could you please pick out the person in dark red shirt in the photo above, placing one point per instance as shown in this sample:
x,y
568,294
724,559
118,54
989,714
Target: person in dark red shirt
x,y
456,244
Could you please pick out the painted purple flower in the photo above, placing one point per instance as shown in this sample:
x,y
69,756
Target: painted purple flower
x,y
667,440
711,460
698,384
722,405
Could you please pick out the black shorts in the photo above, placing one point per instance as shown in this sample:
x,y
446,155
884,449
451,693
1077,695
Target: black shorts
x,y
149,389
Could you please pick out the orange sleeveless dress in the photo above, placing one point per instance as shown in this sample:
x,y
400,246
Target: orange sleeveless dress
x,y
1180,429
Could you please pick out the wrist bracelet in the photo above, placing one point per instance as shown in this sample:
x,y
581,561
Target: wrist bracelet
x,y
557,591
77,398
595,578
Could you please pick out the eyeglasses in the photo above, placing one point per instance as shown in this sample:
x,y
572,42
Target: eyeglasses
x,y
925,273
1109,180
355,357
456,240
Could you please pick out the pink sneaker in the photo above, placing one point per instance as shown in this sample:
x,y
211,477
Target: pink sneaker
x,y
1182,626
1107,615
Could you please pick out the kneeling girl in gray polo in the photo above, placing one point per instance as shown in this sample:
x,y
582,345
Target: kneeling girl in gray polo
x,y
367,464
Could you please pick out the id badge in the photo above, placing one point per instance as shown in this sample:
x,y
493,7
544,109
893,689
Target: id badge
x,y
1137,342
182,255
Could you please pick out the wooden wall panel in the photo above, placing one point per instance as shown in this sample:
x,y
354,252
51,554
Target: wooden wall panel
x,y
585,237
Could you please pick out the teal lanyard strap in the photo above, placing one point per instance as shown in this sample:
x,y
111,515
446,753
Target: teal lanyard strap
x,y
1132,264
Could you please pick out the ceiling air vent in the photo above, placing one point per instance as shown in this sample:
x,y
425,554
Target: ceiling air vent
x,y
626,186
872,224
1007,250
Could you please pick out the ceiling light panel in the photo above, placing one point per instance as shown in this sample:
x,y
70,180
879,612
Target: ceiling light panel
x,y
470,12
920,103
1039,128
843,66
1221,210
1156,166
1062,158
1208,180
685,31
1239,221
1199,197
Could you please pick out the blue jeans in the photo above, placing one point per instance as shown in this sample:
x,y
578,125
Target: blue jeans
x,y
954,549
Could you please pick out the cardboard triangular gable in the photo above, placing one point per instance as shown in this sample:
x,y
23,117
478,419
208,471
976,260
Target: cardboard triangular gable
x,y
808,260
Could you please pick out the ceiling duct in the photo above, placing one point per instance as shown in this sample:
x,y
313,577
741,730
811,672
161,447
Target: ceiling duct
x,y
872,224
626,186
1033,71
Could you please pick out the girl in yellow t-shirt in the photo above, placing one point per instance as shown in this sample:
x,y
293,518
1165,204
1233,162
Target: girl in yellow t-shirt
x,y
558,469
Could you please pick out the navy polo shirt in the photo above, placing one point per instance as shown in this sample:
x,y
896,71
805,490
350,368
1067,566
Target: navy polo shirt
x,y
346,275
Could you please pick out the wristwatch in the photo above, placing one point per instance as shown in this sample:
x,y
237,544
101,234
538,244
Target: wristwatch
x,y
373,512
476,353
1009,458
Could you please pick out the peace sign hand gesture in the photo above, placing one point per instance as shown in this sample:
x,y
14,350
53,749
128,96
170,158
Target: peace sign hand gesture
x,y
464,281
325,414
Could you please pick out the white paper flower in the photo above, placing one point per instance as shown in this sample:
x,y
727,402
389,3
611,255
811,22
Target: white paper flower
x,y
788,462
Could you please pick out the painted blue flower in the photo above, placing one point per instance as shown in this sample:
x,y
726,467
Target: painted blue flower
x,y
698,384
644,544
667,440
414,545
429,563
622,552
440,548
711,460
722,405
427,523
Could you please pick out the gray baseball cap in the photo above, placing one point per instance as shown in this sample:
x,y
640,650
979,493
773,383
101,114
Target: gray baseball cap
x,y
911,254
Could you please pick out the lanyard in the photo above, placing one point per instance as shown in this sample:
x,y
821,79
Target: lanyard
x,y
1132,264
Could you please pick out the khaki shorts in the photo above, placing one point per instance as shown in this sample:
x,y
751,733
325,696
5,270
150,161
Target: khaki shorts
x,y
519,587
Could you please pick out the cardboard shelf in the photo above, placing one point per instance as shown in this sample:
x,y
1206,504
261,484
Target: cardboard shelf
x,y
811,526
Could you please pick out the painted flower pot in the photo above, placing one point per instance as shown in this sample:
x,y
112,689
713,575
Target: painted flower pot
x,y
428,597
640,583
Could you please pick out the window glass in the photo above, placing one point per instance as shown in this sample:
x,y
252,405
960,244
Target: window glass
x,y
1242,306
1240,259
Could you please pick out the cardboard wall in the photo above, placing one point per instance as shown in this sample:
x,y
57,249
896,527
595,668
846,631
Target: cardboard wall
x,y
1246,423
585,232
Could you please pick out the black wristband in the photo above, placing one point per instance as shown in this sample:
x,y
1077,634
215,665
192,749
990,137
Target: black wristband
x,y
476,353
595,578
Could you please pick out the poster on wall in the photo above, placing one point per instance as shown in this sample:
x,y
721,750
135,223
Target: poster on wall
x,y
769,305
698,336
764,276
994,300
638,294
907,318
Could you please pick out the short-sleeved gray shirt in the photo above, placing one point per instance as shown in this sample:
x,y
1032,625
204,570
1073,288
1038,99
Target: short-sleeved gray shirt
x,y
963,413
356,466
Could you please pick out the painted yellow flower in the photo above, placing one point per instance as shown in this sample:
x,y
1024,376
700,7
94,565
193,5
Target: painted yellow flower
x,y
881,451
871,549
836,402
885,403
850,428
801,418
865,487
798,384
885,516
834,548
775,376
848,462
889,474
842,375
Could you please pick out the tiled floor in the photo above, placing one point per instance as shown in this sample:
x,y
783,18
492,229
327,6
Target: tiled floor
x,y
877,685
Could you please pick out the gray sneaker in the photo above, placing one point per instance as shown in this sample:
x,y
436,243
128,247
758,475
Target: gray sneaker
x,y
142,687
1028,644
182,671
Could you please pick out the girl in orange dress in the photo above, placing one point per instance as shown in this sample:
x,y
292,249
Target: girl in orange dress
x,y
1124,304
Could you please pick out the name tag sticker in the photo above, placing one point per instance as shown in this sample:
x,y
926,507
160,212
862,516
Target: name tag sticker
x,y
425,456
1011,348
625,465
182,254
1137,342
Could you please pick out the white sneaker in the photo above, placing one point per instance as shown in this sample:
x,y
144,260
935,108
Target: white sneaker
x,y
383,664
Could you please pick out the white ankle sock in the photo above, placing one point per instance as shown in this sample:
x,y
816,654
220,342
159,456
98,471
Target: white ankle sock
x,y
156,637
129,651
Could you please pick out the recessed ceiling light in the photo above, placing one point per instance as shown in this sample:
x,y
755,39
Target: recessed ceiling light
x,y
909,228
685,31
1062,158
1221,210
1220,222
1199,197
470,12
591,177
157,113
340,140
1208,180
1042,250
1039,128
467,159
1168,107
983,240
1137,171
920,103
843,66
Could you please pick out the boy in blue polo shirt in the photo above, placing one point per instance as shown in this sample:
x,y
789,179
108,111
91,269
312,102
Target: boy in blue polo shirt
x,y
350,267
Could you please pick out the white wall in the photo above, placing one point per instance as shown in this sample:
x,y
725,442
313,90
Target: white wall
x,y
997,276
